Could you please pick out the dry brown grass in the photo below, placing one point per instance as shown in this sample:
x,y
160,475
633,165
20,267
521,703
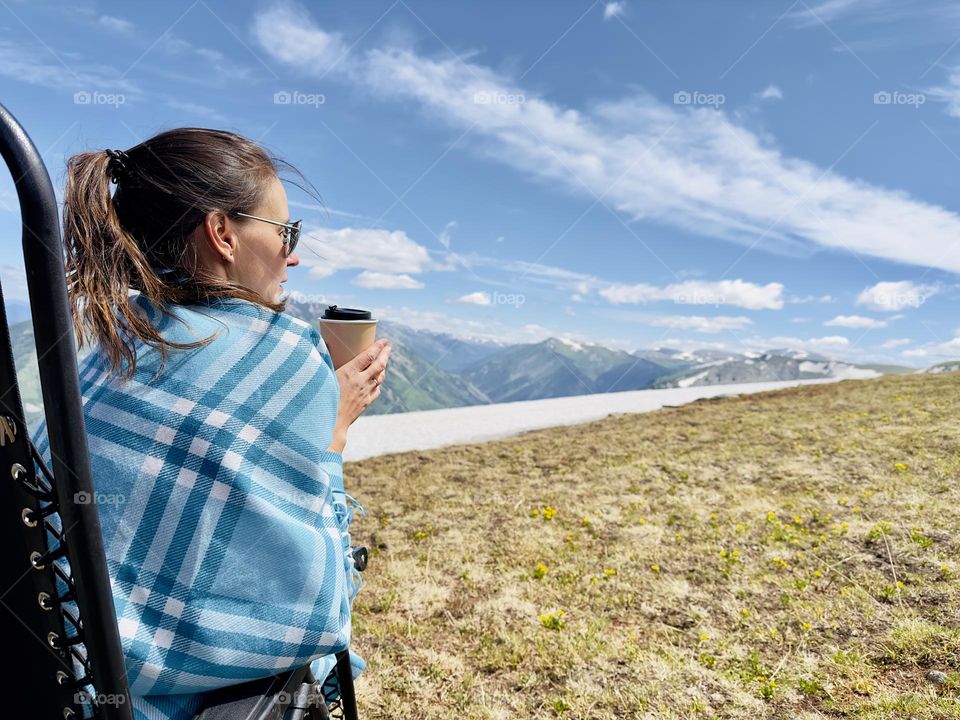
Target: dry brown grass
x,y
785,555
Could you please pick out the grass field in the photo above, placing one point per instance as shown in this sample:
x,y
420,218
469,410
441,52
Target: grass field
x,y
785,555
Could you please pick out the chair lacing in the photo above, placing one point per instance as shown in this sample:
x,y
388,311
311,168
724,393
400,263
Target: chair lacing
x,y
67,640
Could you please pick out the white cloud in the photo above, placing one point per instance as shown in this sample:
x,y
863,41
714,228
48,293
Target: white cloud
x,y
830,341
445,234
835,342
949,93
287,32
896,296
14,282
386,281
117,24
855,321
198,109
801,300
895,343
938,350
771,92
325,251
697,292
489,329
691,167
24,64
613,9
828,10
702,324
476,298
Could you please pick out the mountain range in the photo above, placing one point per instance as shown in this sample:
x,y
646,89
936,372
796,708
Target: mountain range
x,y
430,370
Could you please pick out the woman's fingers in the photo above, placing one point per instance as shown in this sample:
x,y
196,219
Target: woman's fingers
x,y
378,365
365,359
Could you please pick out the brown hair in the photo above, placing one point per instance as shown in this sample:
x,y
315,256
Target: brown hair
x,y
139,238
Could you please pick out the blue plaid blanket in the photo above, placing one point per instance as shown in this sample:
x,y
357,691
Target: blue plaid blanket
x,y
224,516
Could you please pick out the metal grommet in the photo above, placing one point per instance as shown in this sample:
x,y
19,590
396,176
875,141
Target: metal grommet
x,y
27,517
17,471
34,560
52,640
44,599
62,678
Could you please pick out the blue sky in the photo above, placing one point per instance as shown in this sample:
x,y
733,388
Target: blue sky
x,y
737,175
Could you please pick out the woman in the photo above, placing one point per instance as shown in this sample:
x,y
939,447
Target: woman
x,y
216,422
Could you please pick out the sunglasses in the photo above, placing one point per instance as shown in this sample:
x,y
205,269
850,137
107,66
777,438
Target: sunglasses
x,y
291,235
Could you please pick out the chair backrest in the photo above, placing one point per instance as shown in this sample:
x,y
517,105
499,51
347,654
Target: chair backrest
x,y
53,654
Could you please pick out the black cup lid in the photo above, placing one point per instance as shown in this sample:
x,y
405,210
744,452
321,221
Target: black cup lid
x,y
340,313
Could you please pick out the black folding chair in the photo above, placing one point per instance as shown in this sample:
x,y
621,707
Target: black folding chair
x,y
53,654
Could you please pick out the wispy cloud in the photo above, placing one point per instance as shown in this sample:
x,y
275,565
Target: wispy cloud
x,y
613,9
30,65
701,324
696,292
386,281
771,92
855,321
325,251
690,167
476,298
117,24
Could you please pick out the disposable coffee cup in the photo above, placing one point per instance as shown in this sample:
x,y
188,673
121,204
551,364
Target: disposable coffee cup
x,y
347,332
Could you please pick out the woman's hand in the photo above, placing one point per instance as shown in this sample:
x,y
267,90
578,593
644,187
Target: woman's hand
x,y
360,381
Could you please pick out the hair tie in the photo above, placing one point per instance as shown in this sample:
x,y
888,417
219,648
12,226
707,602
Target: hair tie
x,y
119,165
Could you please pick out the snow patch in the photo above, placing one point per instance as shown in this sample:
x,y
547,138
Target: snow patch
x,y
571,344
815,367
687,382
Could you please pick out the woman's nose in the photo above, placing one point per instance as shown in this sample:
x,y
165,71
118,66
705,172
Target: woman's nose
x,y
293,260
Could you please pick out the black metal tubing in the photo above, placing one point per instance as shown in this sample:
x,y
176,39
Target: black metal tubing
x,y
63,410
348,697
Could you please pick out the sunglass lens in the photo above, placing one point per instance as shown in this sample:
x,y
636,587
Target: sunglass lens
x,y
294,238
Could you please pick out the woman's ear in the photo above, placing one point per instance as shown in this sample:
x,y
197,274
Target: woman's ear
x,y
220,235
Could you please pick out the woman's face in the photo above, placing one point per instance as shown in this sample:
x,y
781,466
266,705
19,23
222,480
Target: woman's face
x,y
260,263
